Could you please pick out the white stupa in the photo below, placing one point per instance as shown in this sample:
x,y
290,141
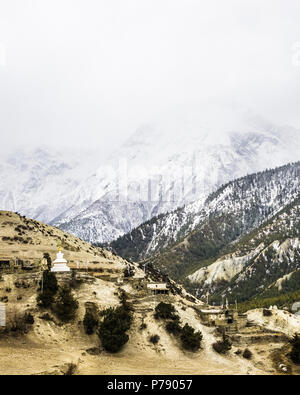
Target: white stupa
x,y
60,263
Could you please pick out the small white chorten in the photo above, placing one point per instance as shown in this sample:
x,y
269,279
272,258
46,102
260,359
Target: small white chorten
x,y
60,263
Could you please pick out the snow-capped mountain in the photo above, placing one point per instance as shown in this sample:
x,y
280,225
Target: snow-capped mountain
x,y
184,241
167,165
36,182
162,166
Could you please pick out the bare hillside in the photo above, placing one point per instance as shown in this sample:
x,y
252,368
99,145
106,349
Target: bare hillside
x,y
49,346
26,240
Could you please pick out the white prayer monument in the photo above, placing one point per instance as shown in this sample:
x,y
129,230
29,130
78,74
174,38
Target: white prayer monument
x,y
60,263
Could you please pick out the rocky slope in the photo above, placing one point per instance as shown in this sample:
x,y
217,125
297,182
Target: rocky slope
x,y
264,263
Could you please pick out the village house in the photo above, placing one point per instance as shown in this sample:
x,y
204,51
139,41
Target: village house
x,y
139,283
158,288
9,264
229,319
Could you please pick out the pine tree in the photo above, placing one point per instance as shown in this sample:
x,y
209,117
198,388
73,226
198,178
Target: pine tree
x,y
112,331
48,289
65,306
190,339
295,353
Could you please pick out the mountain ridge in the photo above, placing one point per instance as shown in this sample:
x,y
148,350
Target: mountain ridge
x,y
268,254
160,167
244,154
191,215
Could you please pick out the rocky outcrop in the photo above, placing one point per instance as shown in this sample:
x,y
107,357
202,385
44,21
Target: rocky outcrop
x,y
225,268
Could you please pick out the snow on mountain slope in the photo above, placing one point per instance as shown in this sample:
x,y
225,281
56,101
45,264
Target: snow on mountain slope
x,y
161,167
34,181
194,233
170,164
267,258
113,218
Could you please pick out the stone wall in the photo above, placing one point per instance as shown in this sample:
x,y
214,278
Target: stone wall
x,y
247,340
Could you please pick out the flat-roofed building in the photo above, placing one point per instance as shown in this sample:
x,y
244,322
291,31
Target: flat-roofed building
x,y
228,319
158,288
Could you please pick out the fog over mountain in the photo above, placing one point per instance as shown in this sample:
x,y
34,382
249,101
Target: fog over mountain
x,y
84,74
141,107
162,166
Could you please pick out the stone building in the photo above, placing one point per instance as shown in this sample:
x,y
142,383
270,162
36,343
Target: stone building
x,y
10,264
158,288
6,263
229,319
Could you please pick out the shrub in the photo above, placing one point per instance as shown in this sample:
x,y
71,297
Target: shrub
x,y
29,319
124,303
71,369
18,322
65,305
154,339
74,282
48,288
112,331
143,326
89,322
45,299
267,313
165,311
295,353
4,299
173,327
247,354
46,317
49,281
93,351
190,339
222,346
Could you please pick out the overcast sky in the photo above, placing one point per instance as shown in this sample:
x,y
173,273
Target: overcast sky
x,y
89,72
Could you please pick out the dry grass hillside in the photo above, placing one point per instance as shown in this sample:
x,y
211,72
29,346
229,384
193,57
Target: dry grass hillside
x,y
48,345
25,239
